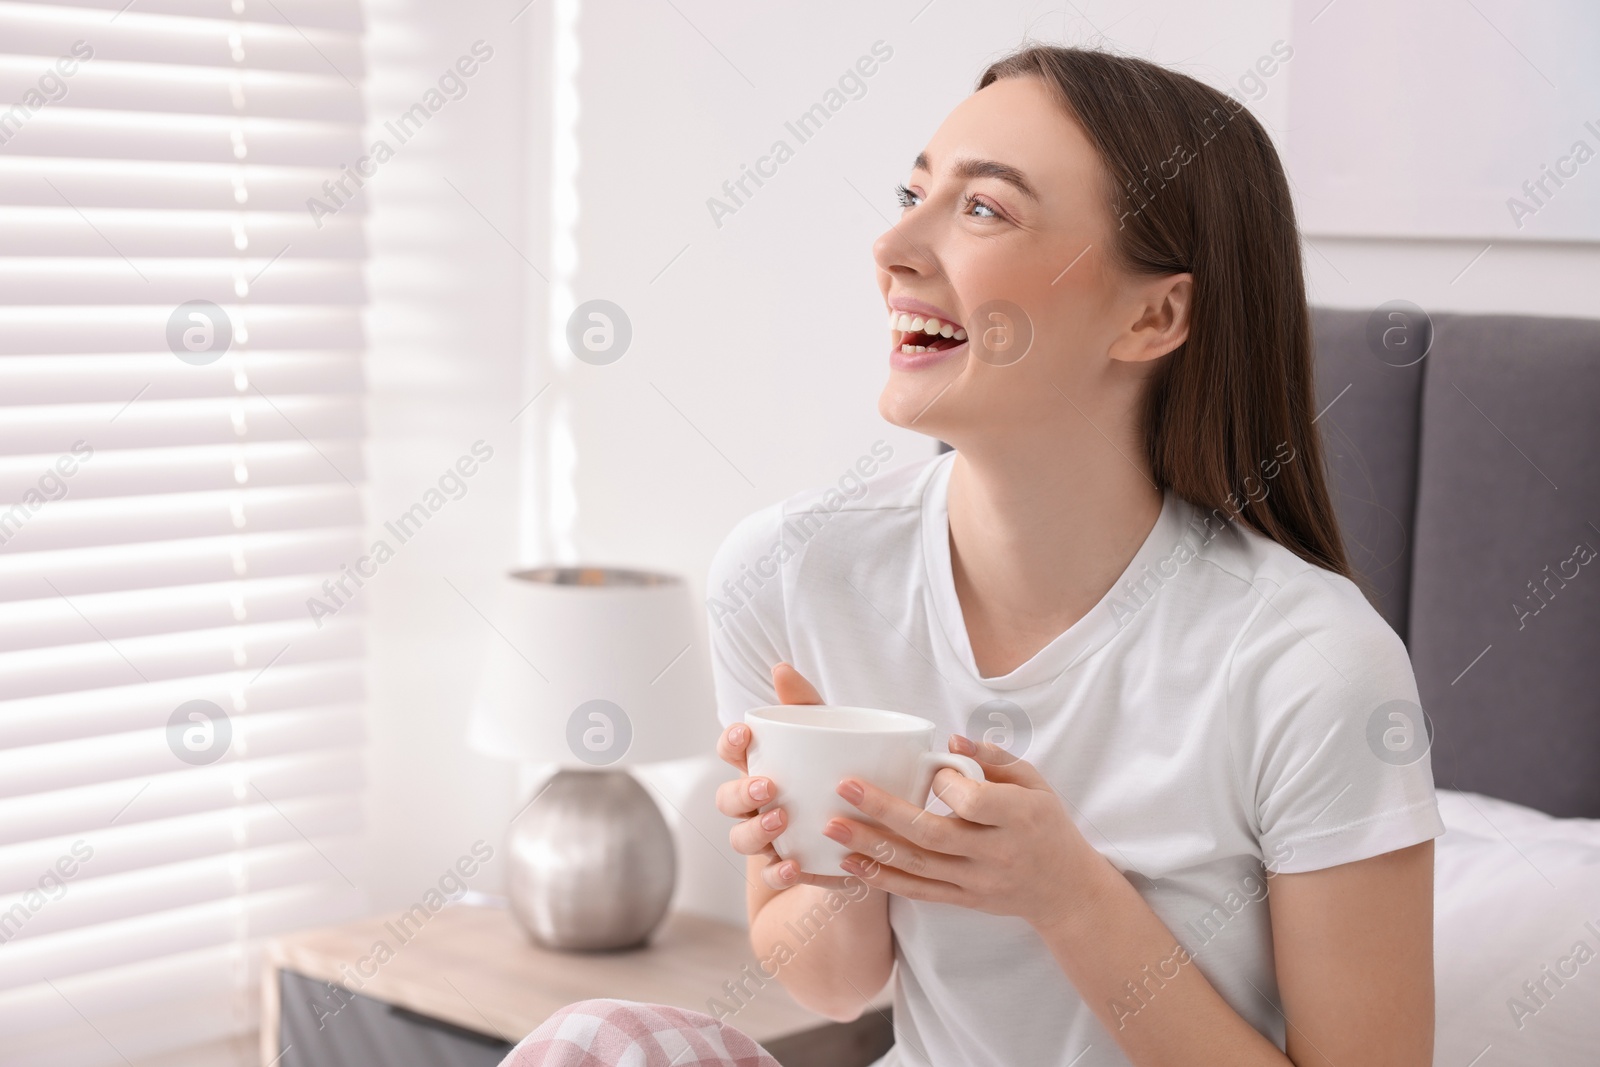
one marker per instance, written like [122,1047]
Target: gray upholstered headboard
[1468,485]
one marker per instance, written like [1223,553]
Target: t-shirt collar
[1078,642]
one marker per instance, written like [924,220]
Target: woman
[1131,559]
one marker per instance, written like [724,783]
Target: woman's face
[1006,233]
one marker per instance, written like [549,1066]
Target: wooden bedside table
[467,984]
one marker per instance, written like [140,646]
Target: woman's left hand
[1009,849]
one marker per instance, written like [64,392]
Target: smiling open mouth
[917,333]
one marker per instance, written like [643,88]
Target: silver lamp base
[592,865]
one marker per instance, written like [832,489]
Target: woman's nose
[900,248]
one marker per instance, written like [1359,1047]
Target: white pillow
[1516,900]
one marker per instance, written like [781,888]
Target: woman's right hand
[741,797]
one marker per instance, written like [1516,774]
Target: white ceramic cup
[806,749]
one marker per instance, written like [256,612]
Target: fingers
[936,833]
[792,686]
[976,802]
[752,836]
[893,851]
[998,764]
[786,874]
[733,743]
[880,875]
[782,874]
[741,798]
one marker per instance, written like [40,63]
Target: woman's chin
[917,401]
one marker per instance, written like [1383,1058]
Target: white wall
[445,329]
[1452,109]
[758,346]
[1512,277]
[1387,140]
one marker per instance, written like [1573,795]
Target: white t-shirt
[1227,708]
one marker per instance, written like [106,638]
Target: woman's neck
[1037,537]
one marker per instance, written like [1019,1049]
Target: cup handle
[932,761]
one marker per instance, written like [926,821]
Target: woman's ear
[1160,318]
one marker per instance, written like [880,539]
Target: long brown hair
[1196,186]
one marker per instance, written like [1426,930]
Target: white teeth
[912,348]
[907,323]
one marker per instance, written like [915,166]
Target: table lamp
[594,669]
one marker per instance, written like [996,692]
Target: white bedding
[1517,900]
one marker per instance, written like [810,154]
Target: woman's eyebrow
[982,168]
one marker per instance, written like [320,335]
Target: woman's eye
[974,204]
[977,208]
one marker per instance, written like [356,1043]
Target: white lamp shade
[594,667]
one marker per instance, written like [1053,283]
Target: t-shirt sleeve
[1330,738]
[745,615]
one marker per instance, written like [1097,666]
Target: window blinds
[180,743]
